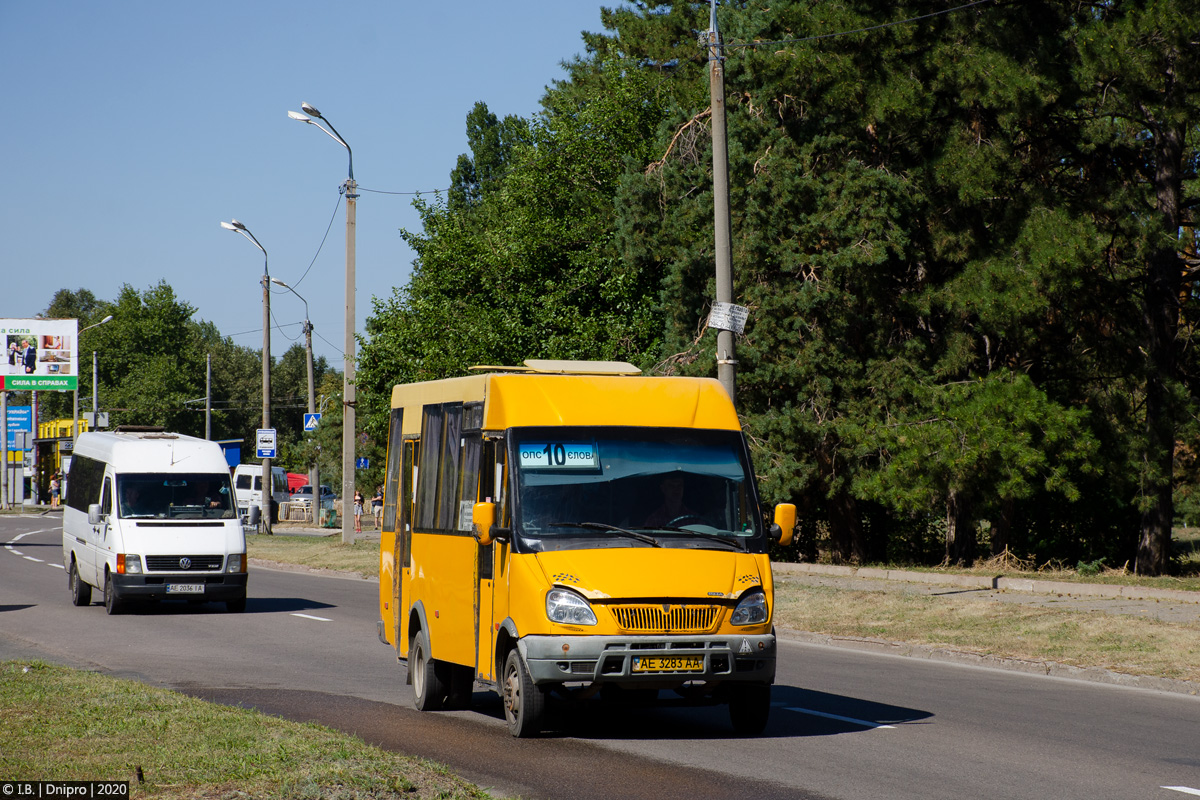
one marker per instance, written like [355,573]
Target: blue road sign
[361,463]
[265,442]
[310,422]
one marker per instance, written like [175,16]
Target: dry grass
[1119,643]
[318,552]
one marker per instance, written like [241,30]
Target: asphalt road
[846,724]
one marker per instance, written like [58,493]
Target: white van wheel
[81,592]
[112,604]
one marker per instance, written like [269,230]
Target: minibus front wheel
[749,707]
[524,703]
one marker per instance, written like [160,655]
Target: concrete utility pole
[726,357]
[348,389]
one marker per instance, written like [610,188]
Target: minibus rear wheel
[81,592]
[429,691]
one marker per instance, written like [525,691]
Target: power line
[856,30]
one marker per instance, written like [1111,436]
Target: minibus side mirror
[94,515]
[483,525]
[785,523]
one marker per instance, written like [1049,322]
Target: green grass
[64,724]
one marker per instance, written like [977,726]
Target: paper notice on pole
[728,317]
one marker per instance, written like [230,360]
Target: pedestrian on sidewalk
[358,509]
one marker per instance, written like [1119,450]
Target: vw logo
[185,563]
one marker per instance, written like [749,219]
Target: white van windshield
[661,487]
[176,496]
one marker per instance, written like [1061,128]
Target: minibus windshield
[175,496]
[656,487]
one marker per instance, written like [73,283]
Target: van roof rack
[554,367]
[139,429]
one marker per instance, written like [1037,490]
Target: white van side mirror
[94,515]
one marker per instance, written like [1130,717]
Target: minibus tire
[81,592]
[112,603]
[749,707]
[524,703]
[429,692]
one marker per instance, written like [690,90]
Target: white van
[150,515]
[247,483]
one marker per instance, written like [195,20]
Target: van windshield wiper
[600,526]
[724,538]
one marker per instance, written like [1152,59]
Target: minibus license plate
[185,588]
[668,664]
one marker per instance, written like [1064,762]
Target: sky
[132,129]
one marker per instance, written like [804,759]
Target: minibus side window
[431,445]
[392,479]
[468,477]
[106,503]
[447,517]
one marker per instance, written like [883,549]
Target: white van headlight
[567,608]
[751,610]
[233,563]
[132,563]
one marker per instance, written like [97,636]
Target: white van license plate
[185,588]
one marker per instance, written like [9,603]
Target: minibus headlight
[233,563]
[568,608]
[751,610]
[129,564]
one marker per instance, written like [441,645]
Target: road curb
[998,582]
[1051,669]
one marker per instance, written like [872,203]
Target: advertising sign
[20,420]
[39,354]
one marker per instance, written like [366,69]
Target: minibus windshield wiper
[725,538]
[600,526]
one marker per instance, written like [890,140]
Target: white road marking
[310,616]
[58,566]
[851,720]
[31,558]
[13,550]
[1184,789]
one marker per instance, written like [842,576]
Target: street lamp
[314,470]
[75,402]
[268,482]
[348,399]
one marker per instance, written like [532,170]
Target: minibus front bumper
[215,586]
[649,660]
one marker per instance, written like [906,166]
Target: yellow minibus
[575,528]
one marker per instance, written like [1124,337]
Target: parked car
[304,494]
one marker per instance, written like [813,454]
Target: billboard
[39,354]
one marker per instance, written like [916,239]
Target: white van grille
[176,563]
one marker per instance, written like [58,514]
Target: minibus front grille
[666,618]
[209,563]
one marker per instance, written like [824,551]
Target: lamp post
[348,399]
[75,401]
[268,483]
[314,474]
